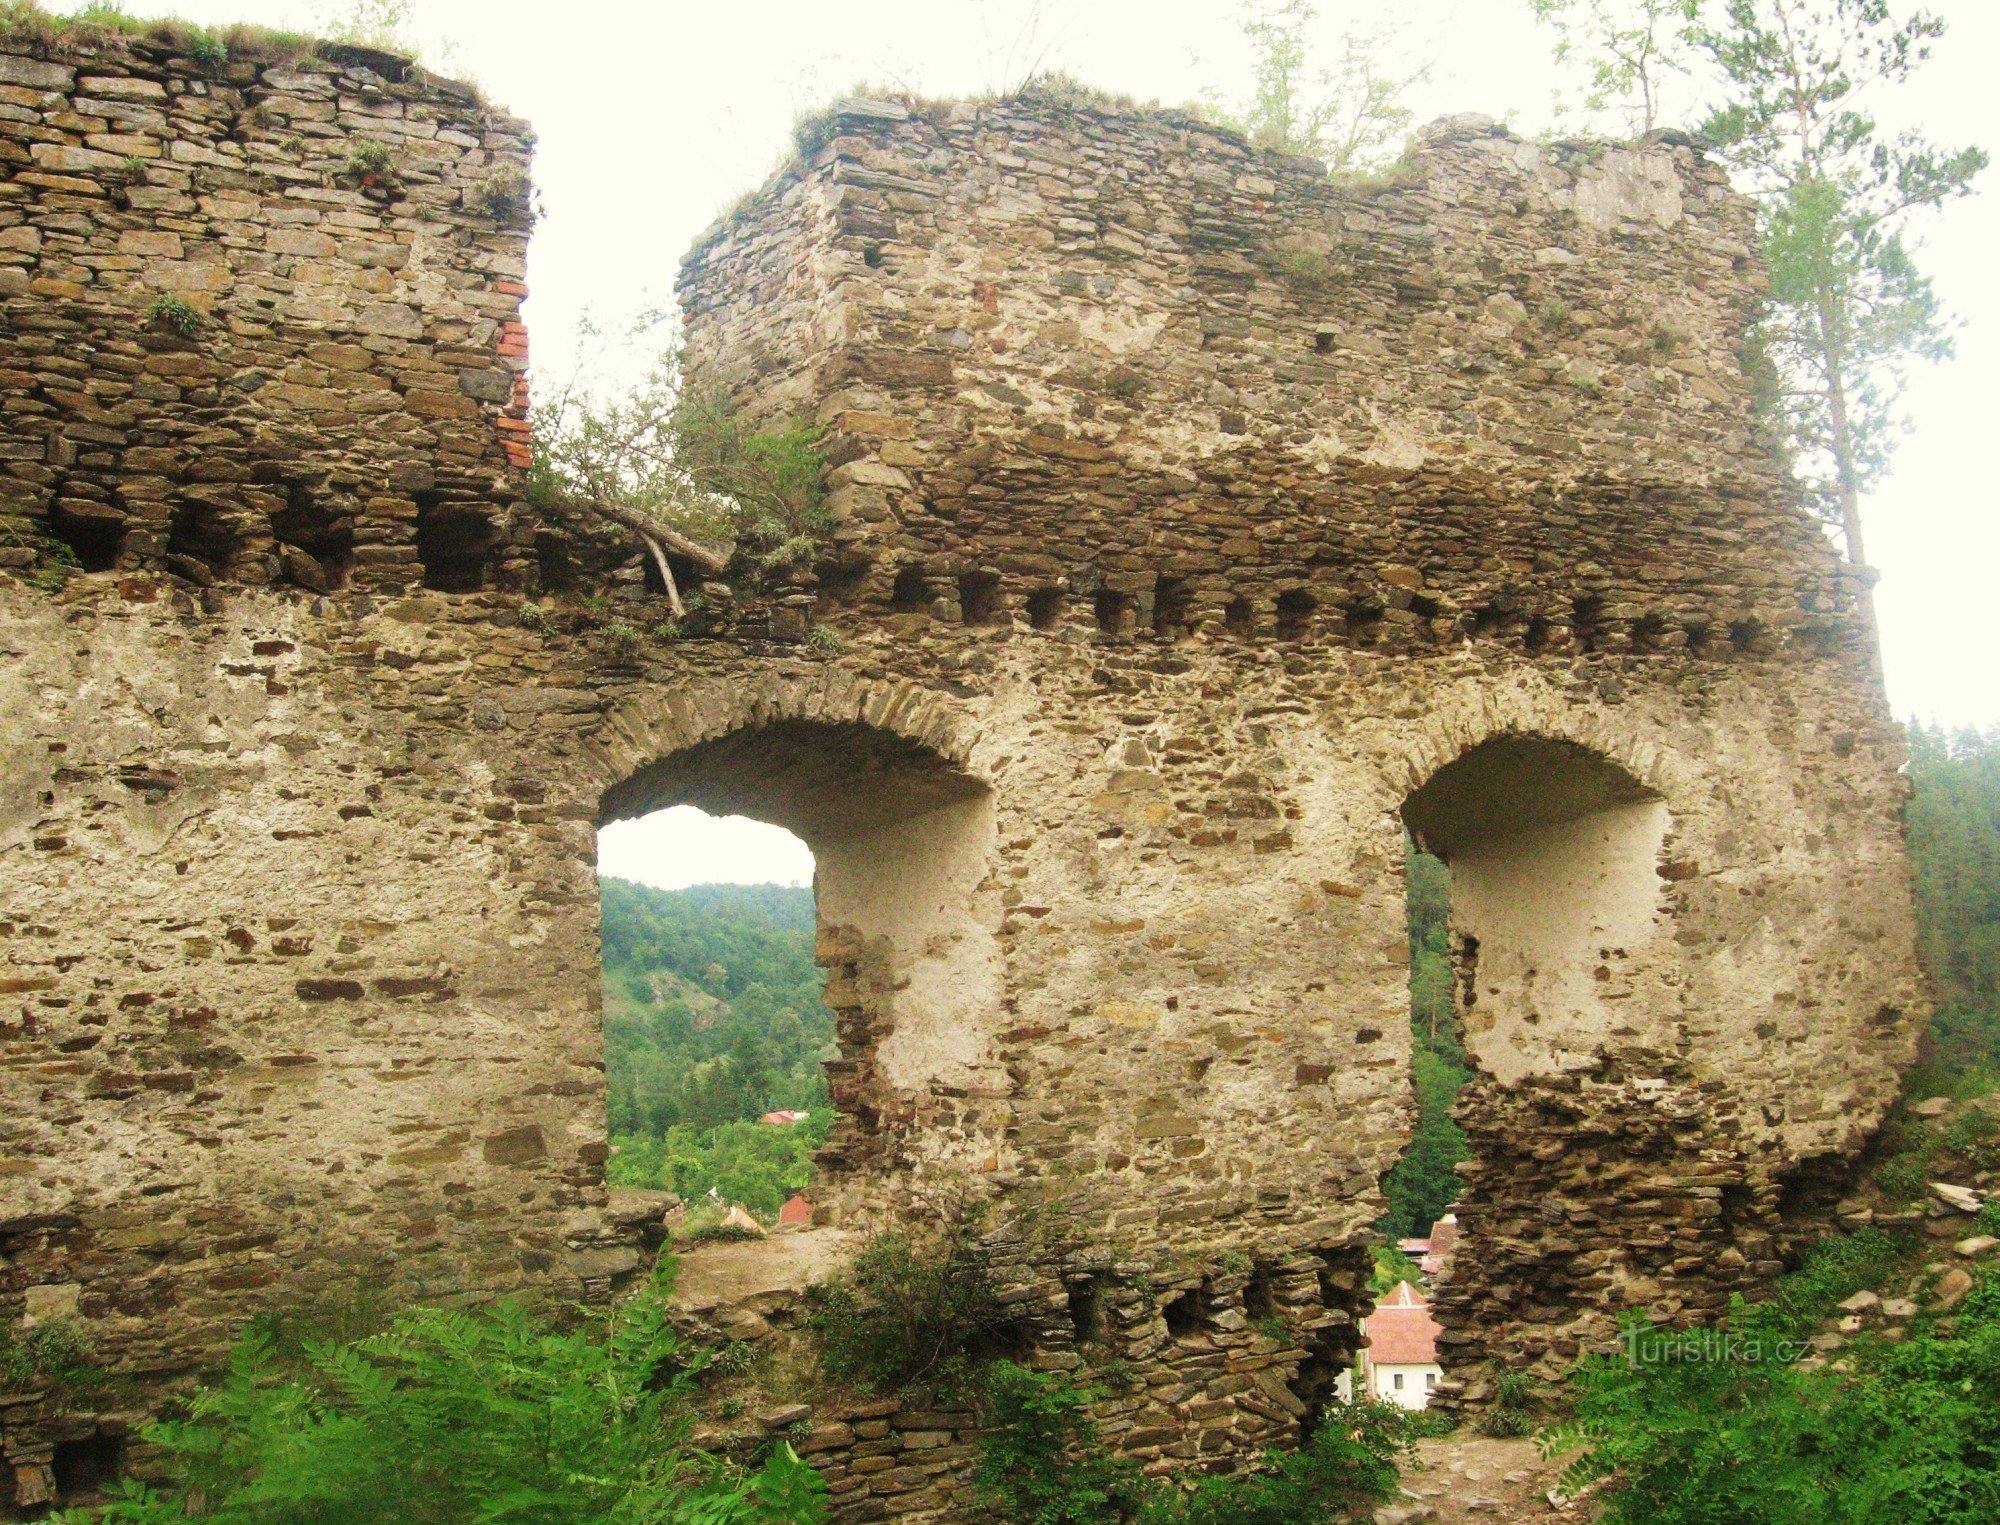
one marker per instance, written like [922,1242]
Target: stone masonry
[1200,526]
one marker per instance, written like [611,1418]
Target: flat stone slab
[732,1271]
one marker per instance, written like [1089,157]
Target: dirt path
[1473,1480]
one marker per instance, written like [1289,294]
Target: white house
[1399,1363]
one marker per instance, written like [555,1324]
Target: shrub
[502,192]
[452,1418]
[1512,1411]
[1040,1459]
[916,1303]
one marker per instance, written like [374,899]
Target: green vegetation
[369,160]
[1795,86]
[679,466]
[452,1418]
[1348,110]
[24,22]
[54,1355]
[1041,1461]
[170,312]
[756,1164]
[1954,831]
[917,1304]
[1896,1431]
[1423,1184]
[712,1017]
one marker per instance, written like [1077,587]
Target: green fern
[455,1418]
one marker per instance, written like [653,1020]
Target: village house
[1399,1363]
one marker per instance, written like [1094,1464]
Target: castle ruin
[1202,525]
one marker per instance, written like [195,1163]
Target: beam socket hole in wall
[1486,620]
[1045,606]
[871,256]
[1364,623]
[315,541]
[979,598]
[687,576]
[1173,608]
[200,542]
[1115,612]
[1087,1316]
[1323,341]
[94,535]
[1184,1312]
[1239,618]
[1295,611]
[1586,621]
[92,1463]
[1745,635]
[454,543]
[1647,632]
[909,594]
[1536,637]
[1259,1296]
[838,586]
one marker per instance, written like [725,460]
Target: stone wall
[1198,521]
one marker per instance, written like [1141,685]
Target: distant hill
[712,1016]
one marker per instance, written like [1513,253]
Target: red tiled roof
[1401,1331]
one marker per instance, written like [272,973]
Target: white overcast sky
[652,117]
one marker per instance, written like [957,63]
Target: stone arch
[1554,853]
[876,781]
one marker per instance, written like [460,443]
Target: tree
[1848,309]
[1626,49]
[675,465]
[1348,114]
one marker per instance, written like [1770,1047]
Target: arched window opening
[718,1031]
[1552,851]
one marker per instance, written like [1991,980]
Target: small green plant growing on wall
[52,1356]
[501,192]
[825,640]
[209,52]
[175,315]
[369,161]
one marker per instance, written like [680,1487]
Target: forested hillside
[1954,825]
[713,1016]
[1423,1183]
